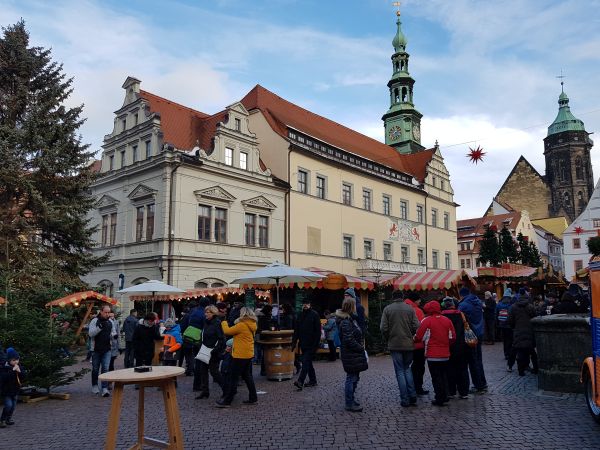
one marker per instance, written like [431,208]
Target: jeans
[350,387]
[307,367]
[402,362]
[439,378]
[243,368]
[100,361]
[475,360]
[10,403]
[418,368]
[129,355]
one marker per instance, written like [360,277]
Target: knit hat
[169,323]
[523,291]
[414,296]
[487,294]
[229,342]
[350,292]
[464,291]
[448,303]
[11,353]
[432,307]
[397,295]
[507,292]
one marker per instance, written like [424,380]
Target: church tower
[568,166]
[402,121]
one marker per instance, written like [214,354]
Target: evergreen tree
[593,245]
[535,259]
[44,200]
[508,246]
[489,247]
[524,249]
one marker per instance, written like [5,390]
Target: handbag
[470,336]
[204,354]
[192,335]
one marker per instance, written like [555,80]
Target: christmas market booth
[434,284]
[497,279]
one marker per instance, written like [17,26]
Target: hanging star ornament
[578,230]
[475,154]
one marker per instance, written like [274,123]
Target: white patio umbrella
[153,287]
[276,272]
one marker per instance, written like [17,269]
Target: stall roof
[351,281]
[191,293]
[507,270]
[82,297]
[424,281]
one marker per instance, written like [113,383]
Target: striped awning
[82,297]
[328,277]
[191,293]
[424,281]
[507,271]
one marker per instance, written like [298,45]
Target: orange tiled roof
[178,122]
[479,224]
[96,165]
[281,113]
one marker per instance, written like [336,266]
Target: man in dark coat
[131,322]
[308,334]
[519,319]
[100,331]
[472,307]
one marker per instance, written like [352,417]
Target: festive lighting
[579,230]
[476,155]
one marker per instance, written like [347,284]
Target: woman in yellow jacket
[243,352]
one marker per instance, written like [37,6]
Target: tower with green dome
[402,121]
[568,166]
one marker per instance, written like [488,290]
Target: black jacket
[212,335]
[307,331]
[352,352]
[143,342]
[519,319]
[129,327]
[10,380]
[458,347]
[287,321]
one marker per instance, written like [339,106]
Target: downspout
[170,229]
[288,198]
[426,231]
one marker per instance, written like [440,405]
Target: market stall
[448,281]
[497,279]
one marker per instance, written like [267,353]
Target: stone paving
[512,415]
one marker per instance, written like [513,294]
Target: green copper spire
[565,120]
[399,41]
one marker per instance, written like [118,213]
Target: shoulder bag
[470,337]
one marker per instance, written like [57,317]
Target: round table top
[129,375]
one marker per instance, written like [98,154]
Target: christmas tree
[508,246]
[489,247]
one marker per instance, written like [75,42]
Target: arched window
[139,280]
[106,287]
[396,96]
[218,284]
[566,199]
[578,168]
[404,94]
[200,285]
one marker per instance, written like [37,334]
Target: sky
[486,71]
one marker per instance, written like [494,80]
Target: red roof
[477,226]
[96,165]
[178,122]
[281,114]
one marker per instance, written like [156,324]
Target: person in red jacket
[438,333]
[418,365]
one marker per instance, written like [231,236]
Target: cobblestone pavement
[512,415]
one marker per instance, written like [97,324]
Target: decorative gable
[142,192]
[106,201]
[214,193]
[259,202]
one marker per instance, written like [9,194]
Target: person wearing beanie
[472,308]
[489,318]
[502,311]
[441,334]
[12,375]
[172,341]
[418,365]
[398,325]
[458,367]
[360,310]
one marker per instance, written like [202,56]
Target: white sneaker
[95,390]
[105,393]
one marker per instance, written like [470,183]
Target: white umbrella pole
[278,311]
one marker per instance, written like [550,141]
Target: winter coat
[502,309]
[287,321]
[243,337]
[399,324]
[143,340]
[100,332]
[10,380]
[438,333]
[567,305]
[234,314]
[265,322]
[472,308]
[307,331]
[330,328]
[459,347]
[195,318]
[352,352]
[176,340]
[129,326]
[212,335]
[361,319]
[489,310]
[114,338]
[420,316]
[519,319]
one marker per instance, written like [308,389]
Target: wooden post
[141,418]
[84,320]
[113,418]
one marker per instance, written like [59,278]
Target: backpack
[192,335]
[503,316]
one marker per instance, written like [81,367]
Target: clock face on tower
[416,131]
[395,133]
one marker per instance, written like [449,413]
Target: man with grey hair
[100,331]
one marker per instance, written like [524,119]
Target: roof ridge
[143,92]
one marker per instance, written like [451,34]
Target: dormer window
[238,125]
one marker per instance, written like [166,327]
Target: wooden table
[162,377]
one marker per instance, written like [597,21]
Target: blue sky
[485,70]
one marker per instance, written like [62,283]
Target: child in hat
[11,377]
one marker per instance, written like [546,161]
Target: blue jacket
[194,318]
[502,312]
[472,308]
[176,333]
[129,327]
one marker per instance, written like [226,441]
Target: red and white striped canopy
[82,297]
[425,281]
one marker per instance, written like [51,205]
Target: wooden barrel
[278,355]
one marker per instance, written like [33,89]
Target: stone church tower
[568,167]
[402,121]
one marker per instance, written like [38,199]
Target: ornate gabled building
[567,186]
